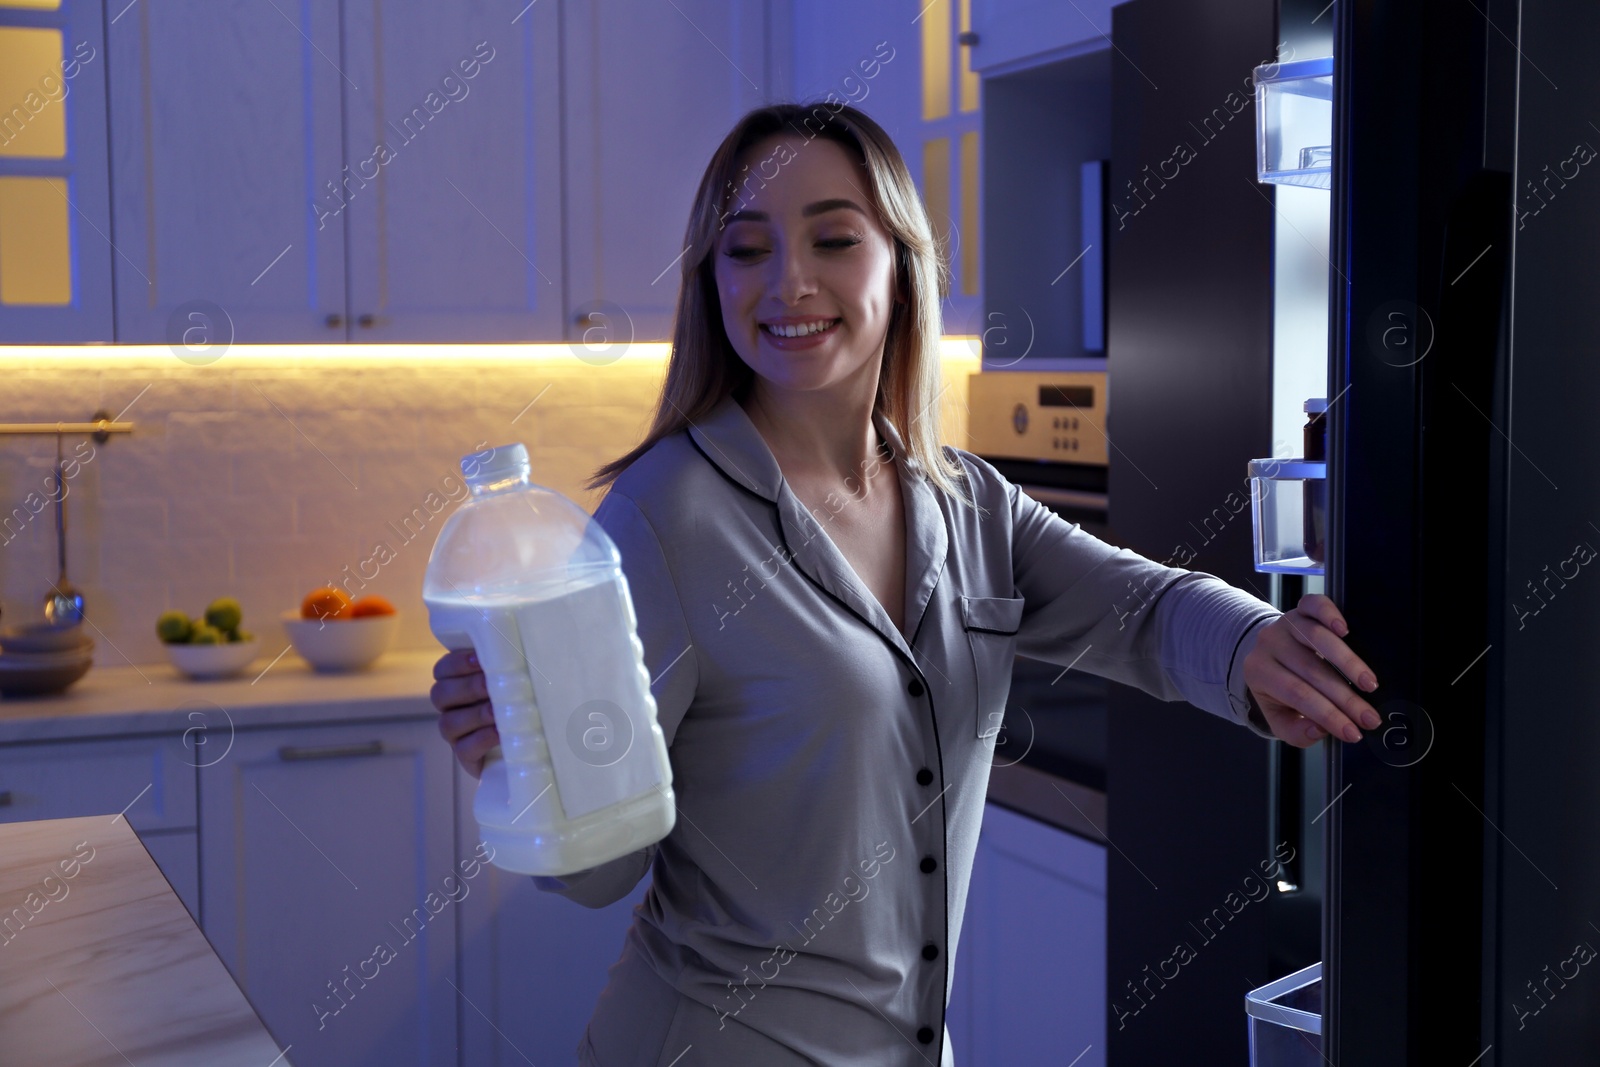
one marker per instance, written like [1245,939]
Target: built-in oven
[1046,432]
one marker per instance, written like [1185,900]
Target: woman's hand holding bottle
[466,719]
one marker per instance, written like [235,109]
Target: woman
[829,603]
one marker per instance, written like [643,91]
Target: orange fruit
[327,602]
[371,605]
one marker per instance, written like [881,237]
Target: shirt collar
[731,441]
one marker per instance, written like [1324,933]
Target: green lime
[225,613]
[206,635]
[173,627]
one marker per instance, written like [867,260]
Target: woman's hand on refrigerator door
[466,719]
[1291,671]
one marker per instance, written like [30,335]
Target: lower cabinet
[149,781]
[178,856]
[336,871]
[532,962]
[1030,980]
[329,888]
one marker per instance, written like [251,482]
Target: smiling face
[805,270]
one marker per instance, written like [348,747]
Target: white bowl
[44,637]
[340,644]
[212,661]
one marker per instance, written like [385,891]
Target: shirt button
[929,864]
[924,776]
[914,688]
[925,1035]
[930,951]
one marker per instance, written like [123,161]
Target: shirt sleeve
[1173,633]
[674,675]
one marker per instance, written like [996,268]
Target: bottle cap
[1314,405]
[496,464]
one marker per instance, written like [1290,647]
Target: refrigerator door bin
[1288,511]
[1294,123]
[1285,1019]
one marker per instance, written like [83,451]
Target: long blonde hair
[704,368]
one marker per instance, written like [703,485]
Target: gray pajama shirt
[830,771]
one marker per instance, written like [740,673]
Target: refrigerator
[1446,872]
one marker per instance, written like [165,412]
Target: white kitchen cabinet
[323,172]
[457,124]
[532,963]
[225,123]
[329,889]
[55,217]
[149,781]
[1030,981]
[178,856]
[1013,34]
[650,90]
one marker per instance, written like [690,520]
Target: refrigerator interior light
[1294,123]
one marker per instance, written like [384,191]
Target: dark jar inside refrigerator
[1316,499]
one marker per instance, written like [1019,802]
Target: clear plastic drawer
[1289,514]
[1294,123]
[1285,1019]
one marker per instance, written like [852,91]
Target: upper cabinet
[297,173]
[451,187]
[55,222]
[1011,34]
[225,120]
[466,170]
[650,91]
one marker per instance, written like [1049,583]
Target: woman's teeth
[801,330]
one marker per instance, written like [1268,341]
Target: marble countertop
[155,698]
[100,962]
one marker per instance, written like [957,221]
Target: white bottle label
[592,695]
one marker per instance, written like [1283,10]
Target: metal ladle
[63,605]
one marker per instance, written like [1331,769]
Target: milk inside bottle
[528,580]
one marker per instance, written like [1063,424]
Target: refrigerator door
[1462,875]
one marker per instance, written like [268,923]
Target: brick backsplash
[261,477]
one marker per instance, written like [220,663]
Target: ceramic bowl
[43,637]
[213,661]
[37,673]
[340,644]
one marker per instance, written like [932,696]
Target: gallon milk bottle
[526,578]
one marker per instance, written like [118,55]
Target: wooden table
[100,963]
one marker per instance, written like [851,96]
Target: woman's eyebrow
[809,210]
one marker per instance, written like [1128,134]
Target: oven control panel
[1048,415]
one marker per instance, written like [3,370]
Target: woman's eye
[834,243]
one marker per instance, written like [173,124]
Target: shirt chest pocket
[991,623]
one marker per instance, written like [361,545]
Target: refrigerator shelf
[1288,513]
[1285,1019]
[1294,123]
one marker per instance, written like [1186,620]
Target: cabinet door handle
[967,39]
[299,752]
[367,321]
[5,798]
[334,320]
